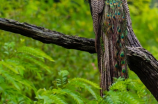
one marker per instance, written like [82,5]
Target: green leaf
[86,81]
[7,65]
[73,95]
[34,52]
[39,63]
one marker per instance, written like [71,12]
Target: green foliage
[145,23]
[15,85]
[14,79]
[34,52]
[126,92]
[30,75]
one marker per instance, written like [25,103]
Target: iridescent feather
[116,30]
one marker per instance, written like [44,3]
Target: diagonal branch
[145,66]
[139,60]
[132,40]
[47,36]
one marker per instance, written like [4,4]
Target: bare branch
[48,36]
[145,66]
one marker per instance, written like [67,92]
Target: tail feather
[116,31]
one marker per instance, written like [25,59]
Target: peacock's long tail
[109,22]
[114,27]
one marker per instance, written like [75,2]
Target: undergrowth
[22,81]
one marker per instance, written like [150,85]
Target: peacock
[109,22]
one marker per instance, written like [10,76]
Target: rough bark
[132,40]
[145,66]
[139,60]
[47,36]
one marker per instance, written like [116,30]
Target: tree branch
[145,66]
[47,36]
[132,40]
[139,60]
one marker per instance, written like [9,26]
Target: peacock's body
[109,22]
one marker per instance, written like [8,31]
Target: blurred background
[71,17]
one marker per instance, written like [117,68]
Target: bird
[109,24]
[96,7]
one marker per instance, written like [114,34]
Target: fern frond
[30,66]
[34,52]
[14,65]
[50,97]
[63,73]
[131,99]
[90,90]
[7,65]
[25,83]
[62,79]
[39,63]
[74,96]
[94,102]
[136,86]
[70,93]
[113,98]
[16,80]
[15,96]
[46,99]
[58,91]
[57,100]
[118,86]
[10,79]
[85,81]
[86,87]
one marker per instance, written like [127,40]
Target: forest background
[34,72]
